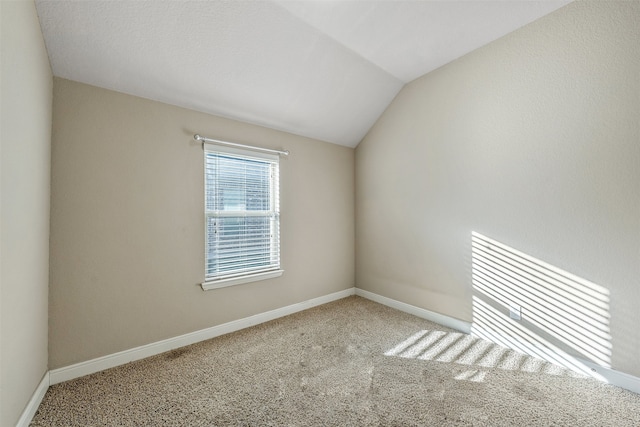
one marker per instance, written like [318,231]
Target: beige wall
[127,223]
[532,140]
[26,90]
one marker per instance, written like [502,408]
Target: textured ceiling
[321,69]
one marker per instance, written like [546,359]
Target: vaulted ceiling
[321,69]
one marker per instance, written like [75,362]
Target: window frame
[273,269]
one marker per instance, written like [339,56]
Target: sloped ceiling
[321,69]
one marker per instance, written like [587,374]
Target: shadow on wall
[533,307]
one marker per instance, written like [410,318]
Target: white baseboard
[608,375]
[441,319]
[105,362]
[34,402]
[613,377]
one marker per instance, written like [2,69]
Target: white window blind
[242,213]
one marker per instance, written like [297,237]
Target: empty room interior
[320,213]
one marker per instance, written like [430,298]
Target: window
[242,214]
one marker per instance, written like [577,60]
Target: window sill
[216,284]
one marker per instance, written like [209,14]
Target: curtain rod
[235,144]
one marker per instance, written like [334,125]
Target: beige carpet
[348,363]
